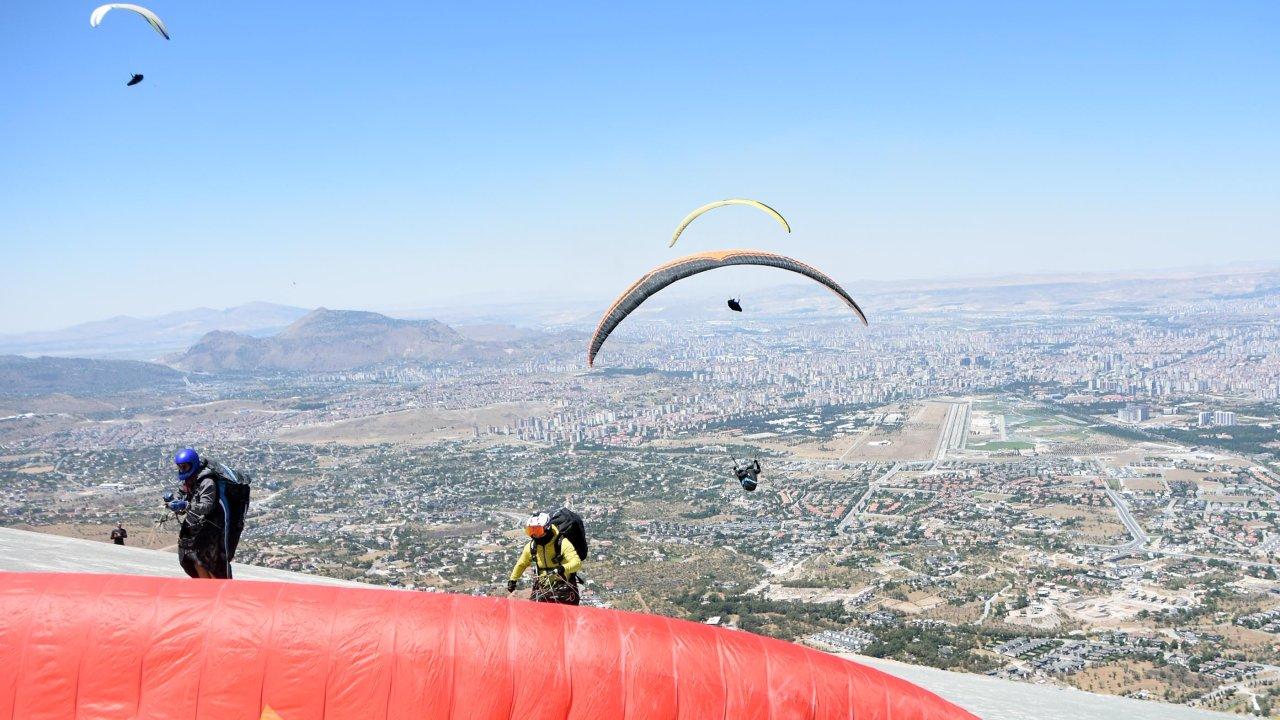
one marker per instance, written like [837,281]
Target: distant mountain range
[152,337]
[26,377]
[260,337]
[320,341]
[778,296]
[328,340]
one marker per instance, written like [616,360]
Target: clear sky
[402,153]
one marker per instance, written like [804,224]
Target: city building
[1134,413]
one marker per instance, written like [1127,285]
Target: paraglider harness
[233,498]
[748,474]
[233,494]
[552,584]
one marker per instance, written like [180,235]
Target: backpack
[571,527]
[233,492]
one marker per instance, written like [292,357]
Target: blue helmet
[188,462]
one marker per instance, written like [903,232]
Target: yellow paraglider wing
[666,274]
[101,11]
[721,203]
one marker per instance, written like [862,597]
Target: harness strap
[226,523]
[557,559]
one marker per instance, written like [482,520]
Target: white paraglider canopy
[101,11]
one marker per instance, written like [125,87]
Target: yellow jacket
[546,556]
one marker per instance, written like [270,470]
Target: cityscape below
[1069,482]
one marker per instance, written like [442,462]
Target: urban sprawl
[1077,496]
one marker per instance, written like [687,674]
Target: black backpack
[571,528]
[233,489]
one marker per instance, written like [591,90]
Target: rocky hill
[328,340]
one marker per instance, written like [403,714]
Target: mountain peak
[328,340]
[323,322]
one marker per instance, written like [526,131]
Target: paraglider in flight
[137,78]
[676,270]
[735,305]
[748,474]
[721,203]
[101,11]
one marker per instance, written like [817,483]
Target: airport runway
[1130,523]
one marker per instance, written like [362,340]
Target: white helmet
[538,525]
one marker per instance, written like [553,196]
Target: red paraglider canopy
[111,646]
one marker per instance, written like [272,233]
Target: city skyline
[703,287]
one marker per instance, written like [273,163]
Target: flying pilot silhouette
[748,474]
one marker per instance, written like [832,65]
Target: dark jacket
[202,523]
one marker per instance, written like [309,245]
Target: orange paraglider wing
[114,646]
[668,273]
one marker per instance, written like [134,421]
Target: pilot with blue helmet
[201,550]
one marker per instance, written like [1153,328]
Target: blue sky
[398,154]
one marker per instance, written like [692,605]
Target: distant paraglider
[735,304]
[748,474]
[664,275]
[721,203]
[95,19]
[154,20]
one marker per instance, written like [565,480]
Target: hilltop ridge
[326,340]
